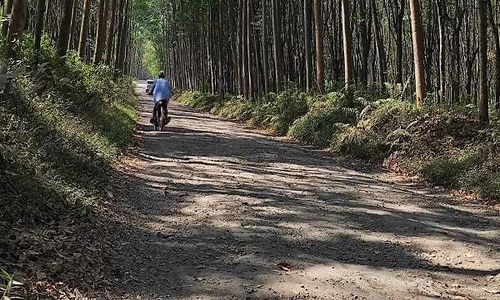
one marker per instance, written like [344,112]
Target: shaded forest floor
[210,210]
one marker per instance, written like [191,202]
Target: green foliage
[6,280]
[475,170]
[388,115]
[486,184]
[446,171]
[361,144]
[59,130]
[324,119]
[234,108]
[150,58]
[199,100]
[279,111]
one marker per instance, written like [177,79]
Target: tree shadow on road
[215,211]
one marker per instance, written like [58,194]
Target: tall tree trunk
[120,57]
[120,31]
[418,51]
[307,43]
[40,17]
[84,28]
[455,52]
[277,44]
[399,55]
[483,62]
[249,47]
[6,15]
[348,58]
[379,45]
[111,33]
[365,37]
[399,13]
[496,37]
[47,16]
[265,47]
[74,33]
[245,50]
[210,51]
[320,51]
[222,88]
[101,31]
[65,31]
[442,15]
[17,25]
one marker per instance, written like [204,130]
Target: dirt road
[216,211]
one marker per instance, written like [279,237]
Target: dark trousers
[158,108]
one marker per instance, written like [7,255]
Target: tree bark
[6,14]
[442,15]
[307,43]
[222,88]
[380,46]
[17,25]
[84,28]
[399,43]
[249,47]
[418,51]
[496,37]
[265,47]
[121,19]
[483,62]
[40,18]
[346,29]
[244,47]
[365,39]
[65,31]
[111,33]
[47,16]
[320,51]
[74,33]
[277,44]
[101,31]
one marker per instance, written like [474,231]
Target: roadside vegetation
[61,126]
[444,146]
[67,112]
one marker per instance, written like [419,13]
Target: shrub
[361,144]
[484,178]
[488,186]
[320,124]
[280,111]
[199,100]
[447,171]
[388,115]
[234,108]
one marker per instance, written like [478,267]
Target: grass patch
[325,117]
[447,171]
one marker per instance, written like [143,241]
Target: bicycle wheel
[163,118]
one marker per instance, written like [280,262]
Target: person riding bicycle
[162,92]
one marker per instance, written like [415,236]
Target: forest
[436,50]
[351,145]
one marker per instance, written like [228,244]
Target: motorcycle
[149,85]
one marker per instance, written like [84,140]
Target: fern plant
[9,288]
